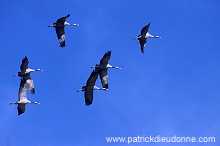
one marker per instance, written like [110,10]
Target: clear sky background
[172,89]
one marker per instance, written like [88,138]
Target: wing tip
[109,52]
[32,91]
[105,86]
[21,109]
[25,58]
[20,113]
[88,103]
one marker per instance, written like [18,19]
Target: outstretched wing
[60,30]
[88,96]
[90,86]
[24,64]
[92,78]
[104,78]
[105,58]
[22,91]
[145,30]
[63,41]
[143,42]
[29,83]
[61,36]
[21,108]
[62,19]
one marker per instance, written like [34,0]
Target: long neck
[35,102]
[29,70]
[97,88]
[66,23]
[38,70]
[100,89]
[74,24]
[156,37]
[116,67]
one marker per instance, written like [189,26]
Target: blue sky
[172,89]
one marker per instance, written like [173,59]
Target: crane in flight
[59,26]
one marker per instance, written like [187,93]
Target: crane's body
[25,74]
[144,36]
[103,67]
[22,98]
[59,26]
[90,87]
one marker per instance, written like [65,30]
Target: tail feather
[62,41]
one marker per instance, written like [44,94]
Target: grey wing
[21,108]
[24,64]
[60,32]
[143,42]
[29,83]
[92,79]
[104,78]
[63,41]
[105,58]
[60,26]
[90,86]
[145,30]
[62,19]
[22,91]
[61,35]
[88,96]
[60,29]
